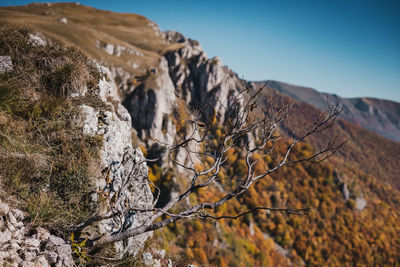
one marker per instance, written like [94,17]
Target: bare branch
[251,127]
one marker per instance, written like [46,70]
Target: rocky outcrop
[184,73]
[150,105]
[117,50]
[117,160]
[201,82]
[23,246]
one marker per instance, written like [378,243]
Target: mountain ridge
[377,115]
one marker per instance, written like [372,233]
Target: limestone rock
[119,157]
[5,64]
[37,40]
[148,260]
[5,236]
[63,20]
[147,257]
[32,242]
[361,203]
[345,191]
[4,208]
[41,262]
[19,248]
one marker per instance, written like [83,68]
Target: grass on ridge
[44,158]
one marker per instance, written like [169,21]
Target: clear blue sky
[351,48]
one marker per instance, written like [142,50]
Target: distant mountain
[377,115]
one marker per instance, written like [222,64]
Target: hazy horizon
[349,48]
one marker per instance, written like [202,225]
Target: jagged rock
[18,214]
[90,125]
[32,242]
[150,107]
[19,248]
[117,154]
[117,50]
[174,37]
[11,218]
[155,28]
[29,256]
[4,208]
[41,262]
[42,234]
[345,191]
[5,64]
[37,40]
[5,236]
[51,257]
[147,256]
[111,121]
[54,242]
[361,203]
[63,251]
[203,82]
[109,48]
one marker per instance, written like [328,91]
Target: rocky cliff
[118,159]
[88,108]
[184,73]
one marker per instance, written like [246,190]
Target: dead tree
[251,126]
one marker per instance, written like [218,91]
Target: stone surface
[345,191]
[5,64]
[118,156]
[4,208]
[37,39]
[63,20]
[361,203]
[19,248]
[32,242]
[118,50]
[147,257]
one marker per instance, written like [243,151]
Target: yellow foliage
[144,150]
[189,253]
[200,255]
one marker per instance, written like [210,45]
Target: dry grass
[86,25]
[45,161]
